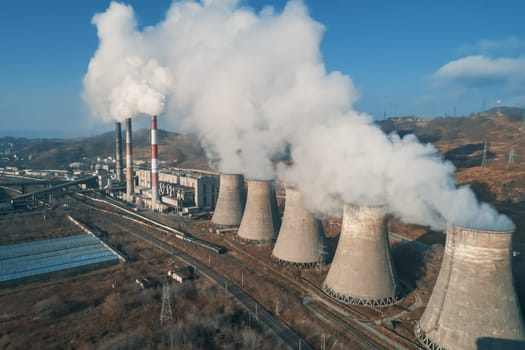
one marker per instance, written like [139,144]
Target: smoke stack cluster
[230,204]
[118,152]
[129,162]
[260,220]
[474,299]
[362,272]
[154,163]
[299,242]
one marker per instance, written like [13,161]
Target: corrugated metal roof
[40,257]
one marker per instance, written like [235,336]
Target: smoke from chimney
[230,75]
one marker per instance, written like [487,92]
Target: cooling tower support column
[260,219]
[230,204]
[299,242]
[154,163]
[118,152]
[474,303]
[129,162]
[362,272]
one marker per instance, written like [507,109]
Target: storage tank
[230,204]
[260,219]
[362,272]
[300,239]
[474,303]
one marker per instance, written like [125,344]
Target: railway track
[283,332]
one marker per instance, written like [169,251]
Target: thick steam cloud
[251,85]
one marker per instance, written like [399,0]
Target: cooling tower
[474,296]
[362,272]
[129,162]
[230,204]
[154,163]
[260,219]
[118,152]
[299,242]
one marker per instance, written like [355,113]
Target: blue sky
[406,57]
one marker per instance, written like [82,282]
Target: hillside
[179,149]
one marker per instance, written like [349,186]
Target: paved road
[288,336]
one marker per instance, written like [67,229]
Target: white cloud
[480,70]
[505,46]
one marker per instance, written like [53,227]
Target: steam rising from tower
[129,162]
[474,295]
[362,272]
[299,242]
[230,75]
[230,204]
[118,152]
[154,163]
[260,220]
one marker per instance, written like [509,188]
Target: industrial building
[260,220]
[300,239]
[474,299]
[43,257]
[362,271]
[184,190]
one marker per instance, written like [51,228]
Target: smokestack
[474,295]
[118,152]
[230,204]
[260,219]
[154,163]
[129,162]
[362,272]
[299,242]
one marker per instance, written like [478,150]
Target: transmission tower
[166,315]
[484,159]
[511,157]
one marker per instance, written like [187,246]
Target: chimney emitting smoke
[118,152]
[154,163]
[129,162]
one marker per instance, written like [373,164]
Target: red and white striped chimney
[129,162]
[154,162]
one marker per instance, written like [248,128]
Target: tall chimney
[118,152]
[260,219]
[230,204]
[129,162]
[299,242]
[362,272]
[154,163]
[474,303]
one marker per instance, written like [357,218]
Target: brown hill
[182,150]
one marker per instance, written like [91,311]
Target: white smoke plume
[251,84]
[123,80]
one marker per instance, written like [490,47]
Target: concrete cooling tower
[260,220]
[300,239]
[230,204]
[473,304]
[362,272]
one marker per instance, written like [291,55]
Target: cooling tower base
[424,340]
[256,241]
[360,301]
[299,265]
[219,226]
